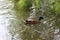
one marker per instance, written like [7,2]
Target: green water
[12,25]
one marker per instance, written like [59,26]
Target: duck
[30,22]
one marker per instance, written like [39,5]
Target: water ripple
[5,9]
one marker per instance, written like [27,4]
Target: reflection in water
[10,27]
[6,14]
[3,28]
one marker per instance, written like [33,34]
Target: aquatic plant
[24,4]
[57,6]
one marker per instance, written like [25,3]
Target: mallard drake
[33,22]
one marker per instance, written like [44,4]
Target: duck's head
[40,18]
